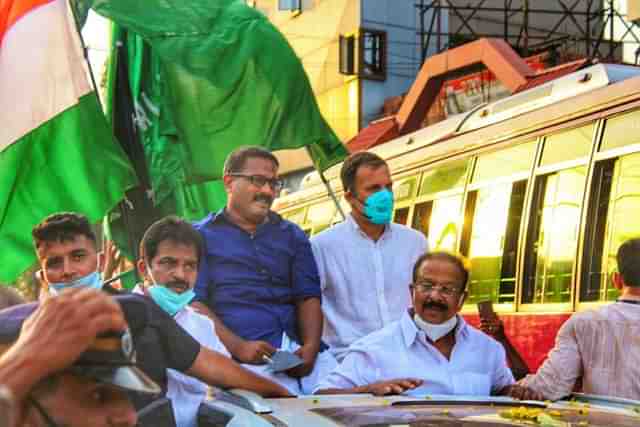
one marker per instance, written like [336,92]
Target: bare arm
[494,327]
[381,388]
[309,316]
[215,369]
[243,350]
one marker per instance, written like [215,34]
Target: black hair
[458,260]
[170,228]
[628,258]
[62,227]
[351,165]
[237,159]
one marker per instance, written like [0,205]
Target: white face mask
[435,331]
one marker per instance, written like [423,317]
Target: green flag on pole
[57,152]
[232,79]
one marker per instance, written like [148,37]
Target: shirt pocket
[468,383]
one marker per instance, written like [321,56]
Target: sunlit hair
[237,160]
[62,227]
[628,258]
[173,229]
[354,162]
[458,260]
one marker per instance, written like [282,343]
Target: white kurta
[365,284]
[477,365]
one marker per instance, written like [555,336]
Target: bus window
[553,236]
[421,218]
[505,162]
[622,130]
[568,145]
[400,216]
[444,224]
[493,240]
[615,202]
[448,177]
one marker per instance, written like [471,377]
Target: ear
[227,181]
[617,280]
[101,261]
[142,269]
[462,299]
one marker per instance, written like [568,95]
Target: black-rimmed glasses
[259,181]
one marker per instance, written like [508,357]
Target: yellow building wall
[314,35]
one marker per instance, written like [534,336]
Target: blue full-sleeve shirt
[252,281]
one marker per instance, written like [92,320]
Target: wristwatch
[6,407]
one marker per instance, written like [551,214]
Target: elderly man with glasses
[431,349]
[258,280]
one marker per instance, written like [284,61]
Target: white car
[240,408]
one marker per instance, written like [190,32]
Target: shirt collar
[355,227]
[222,216]
[410,330]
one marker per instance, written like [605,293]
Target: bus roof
[563,90]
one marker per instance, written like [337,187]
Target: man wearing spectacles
[258,280]
[431,349]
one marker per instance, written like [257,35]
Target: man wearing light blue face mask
[170,251]
[65,245]
[365,261]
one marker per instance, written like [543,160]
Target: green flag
[232,79]
[57,152]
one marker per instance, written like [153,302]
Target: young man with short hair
[365,261]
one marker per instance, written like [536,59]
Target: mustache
[178,284]
[435,305]
[263,198]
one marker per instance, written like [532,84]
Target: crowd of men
[365,307]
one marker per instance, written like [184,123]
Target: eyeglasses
[428,286]
[259,181]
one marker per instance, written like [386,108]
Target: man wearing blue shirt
[258,280]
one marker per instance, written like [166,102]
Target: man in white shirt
[364,262]
[430,347]
[170,251]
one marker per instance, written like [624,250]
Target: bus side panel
[533,335]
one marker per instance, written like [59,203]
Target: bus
[537,190]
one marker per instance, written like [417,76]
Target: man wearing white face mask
[365,261]
[430,347]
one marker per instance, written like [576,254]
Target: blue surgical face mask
[170,301]
[92,280]
[378,207]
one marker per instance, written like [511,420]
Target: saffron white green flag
[57,152]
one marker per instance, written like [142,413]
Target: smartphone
[485,308]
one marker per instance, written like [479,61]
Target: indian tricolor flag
[57,152]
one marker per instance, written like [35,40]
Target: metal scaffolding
[586,28]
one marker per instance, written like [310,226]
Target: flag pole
[329,189]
